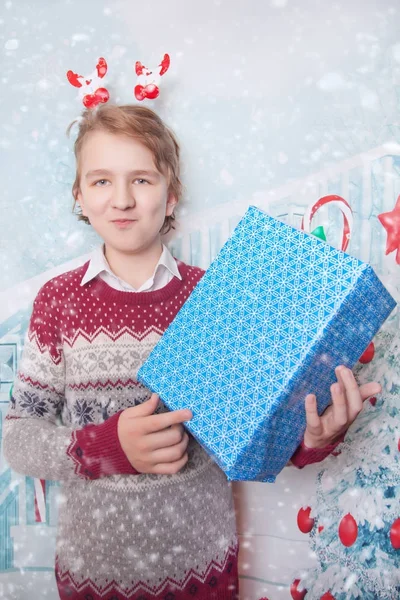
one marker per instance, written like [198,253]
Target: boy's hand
[154,443]
[347,402]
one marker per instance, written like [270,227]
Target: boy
[145,513]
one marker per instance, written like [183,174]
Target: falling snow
[269,108]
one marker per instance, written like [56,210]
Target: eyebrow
[136,173]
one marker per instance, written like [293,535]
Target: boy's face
[122,193]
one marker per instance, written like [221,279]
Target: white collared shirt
[165,270]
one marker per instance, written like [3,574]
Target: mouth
[123,222]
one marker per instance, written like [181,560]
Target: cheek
[154,205]
[95,204]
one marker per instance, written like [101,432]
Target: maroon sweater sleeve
[307,456]
[96,451]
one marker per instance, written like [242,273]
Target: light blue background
[260,93]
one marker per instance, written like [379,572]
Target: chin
[128,247]
[125,247]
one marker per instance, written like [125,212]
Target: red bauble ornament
[304,522]
[89,101]
[295,593]
[348,530]
[100,96]
[139,92]
[373,400]
[395,534]
[368,354]
[150,91]
[327,596]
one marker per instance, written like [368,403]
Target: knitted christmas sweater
[121,535]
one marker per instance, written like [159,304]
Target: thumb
[370,389]
[313,420]
[146,408]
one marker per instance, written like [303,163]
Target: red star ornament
[391,222]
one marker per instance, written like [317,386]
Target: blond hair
[145,126]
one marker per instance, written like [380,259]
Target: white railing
[202,234]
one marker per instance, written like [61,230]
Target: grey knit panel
[33,442]
[100,376]
[106,359]
[143,527]
[127,528]
[146,533]
[38,448]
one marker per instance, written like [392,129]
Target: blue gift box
[275,313]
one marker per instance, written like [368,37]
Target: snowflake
[117,360]
[83,412]
[34,405]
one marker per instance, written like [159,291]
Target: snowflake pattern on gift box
[276,312]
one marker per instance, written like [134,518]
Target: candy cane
[345,209]
[347,213]
[40,500]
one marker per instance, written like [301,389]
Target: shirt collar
[168,261]
[98,264]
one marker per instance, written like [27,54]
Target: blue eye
[141,181]
[101,182]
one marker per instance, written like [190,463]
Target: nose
[123,196]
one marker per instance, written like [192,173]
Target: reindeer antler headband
[148,80]
[92,91]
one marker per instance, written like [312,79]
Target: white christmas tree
[354,521]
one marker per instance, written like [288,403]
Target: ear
[79,200]
[171,203]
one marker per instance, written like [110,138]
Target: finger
[339,405]
[163,420]
[164,438]
[354,399]
[170,454]
[370,389]
[338,372]
[171,468]
[314,424]
[145,408]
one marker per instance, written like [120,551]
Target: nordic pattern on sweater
[121,534]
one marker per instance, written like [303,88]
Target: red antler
[139,68]
[73,78]
[164,64]
[101,67]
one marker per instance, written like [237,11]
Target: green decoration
[319,233]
